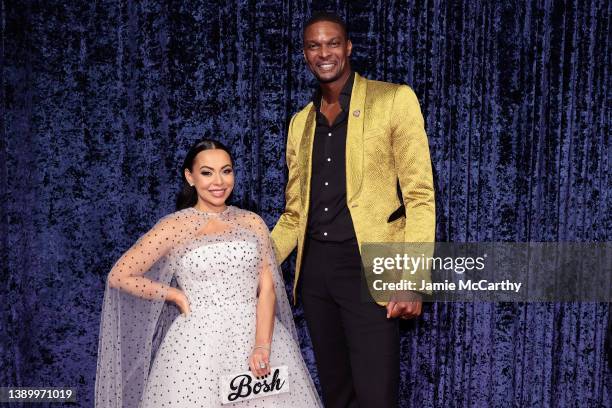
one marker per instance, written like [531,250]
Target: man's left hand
[405,309]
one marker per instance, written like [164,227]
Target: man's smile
[326,66]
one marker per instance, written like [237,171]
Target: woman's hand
[260,356]
[179,298]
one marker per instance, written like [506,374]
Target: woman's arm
[128,272]
[265,324]
[266,301]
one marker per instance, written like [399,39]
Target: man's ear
[349,47]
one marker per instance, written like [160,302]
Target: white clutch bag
[244,386]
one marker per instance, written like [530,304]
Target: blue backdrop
[100,101]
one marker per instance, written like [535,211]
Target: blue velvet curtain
[101,99]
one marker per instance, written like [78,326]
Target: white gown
[219,273]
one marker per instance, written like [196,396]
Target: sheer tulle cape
[135,315]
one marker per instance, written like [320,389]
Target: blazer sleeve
[285,232]
[413,167]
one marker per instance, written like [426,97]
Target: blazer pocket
[397,214]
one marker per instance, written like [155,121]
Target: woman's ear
[189,177]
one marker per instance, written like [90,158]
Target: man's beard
[328,80]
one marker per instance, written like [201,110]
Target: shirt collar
[345,94]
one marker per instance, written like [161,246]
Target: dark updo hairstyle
[188,197]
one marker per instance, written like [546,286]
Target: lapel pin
[356,113]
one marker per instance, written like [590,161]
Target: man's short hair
[327,16]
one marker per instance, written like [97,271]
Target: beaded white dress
[216,259]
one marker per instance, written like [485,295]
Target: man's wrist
[407,296]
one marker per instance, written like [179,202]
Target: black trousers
[356,347]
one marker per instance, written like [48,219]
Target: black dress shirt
[329,218]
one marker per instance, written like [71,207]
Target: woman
[234,311]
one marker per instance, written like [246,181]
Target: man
[346,152]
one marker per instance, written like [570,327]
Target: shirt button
[326,183]
[325,233]
[326,208]
[329,134]
[329,159]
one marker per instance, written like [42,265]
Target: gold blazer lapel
[305,156]
[354,138]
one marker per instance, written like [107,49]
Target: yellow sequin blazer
[385,142]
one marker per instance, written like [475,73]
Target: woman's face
[212,175]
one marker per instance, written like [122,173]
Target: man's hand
[405,309]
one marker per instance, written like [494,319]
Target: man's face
[327,51]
